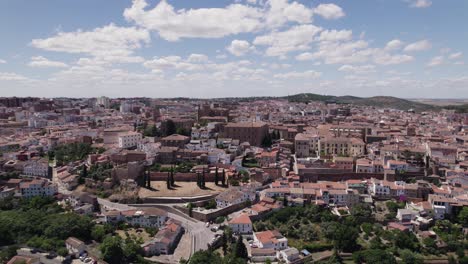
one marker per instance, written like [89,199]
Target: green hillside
[376,101]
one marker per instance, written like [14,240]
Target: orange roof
[241,219]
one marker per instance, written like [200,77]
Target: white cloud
[384,58]
[329,11]
[394,44]
[174,24]
[436,61]
[294,39]
[2,61]
[298,75]
[171,62]
[39,61]
[11,76]
[419,3]
[335,35]
[197,58]
[109,43]
[418,46]
[280,12]
[352,52]
[305,56]
[239,47]
[357,69]
[337,52]
[456,55]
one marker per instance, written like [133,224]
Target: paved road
[200,235]
[108,205]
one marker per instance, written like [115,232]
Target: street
[199,236]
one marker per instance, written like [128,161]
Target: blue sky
[213,48]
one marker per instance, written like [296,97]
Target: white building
[129,139]
[36,167]
[232,197]
[241,224]
[75,246]
[270,239]
[39,187]
[148,217]
[103,101]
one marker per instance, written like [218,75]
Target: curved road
[200,235]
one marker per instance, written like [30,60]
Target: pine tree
[216,177]
[241,250]
[203,179]
[172,177]
[148,178]
[168,182]
[84,171]
[224,177]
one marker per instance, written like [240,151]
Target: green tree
[168,181]
[267,142]
[190,208]
[408,257]
[344,238]
[172,177]
[111,249]
[170,127]
[206,257]
[131,250]
[62,252]
[374,256]
[240,249]
[463,217]
[98,232]
[223,178]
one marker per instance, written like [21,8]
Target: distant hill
[458,108]
[376,101]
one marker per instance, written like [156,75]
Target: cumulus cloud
[419,3]
[456,55]
[2,61]
[239,47]
[295,38]
[335,35]
[197,58]
[174,24]
[337,52]
[394,44]
[436,61]
[108,43]
[418,46]
[329,11]
[11,76]
[41,62]
[384,58]
[298,75]
[357,69]
[280,12]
